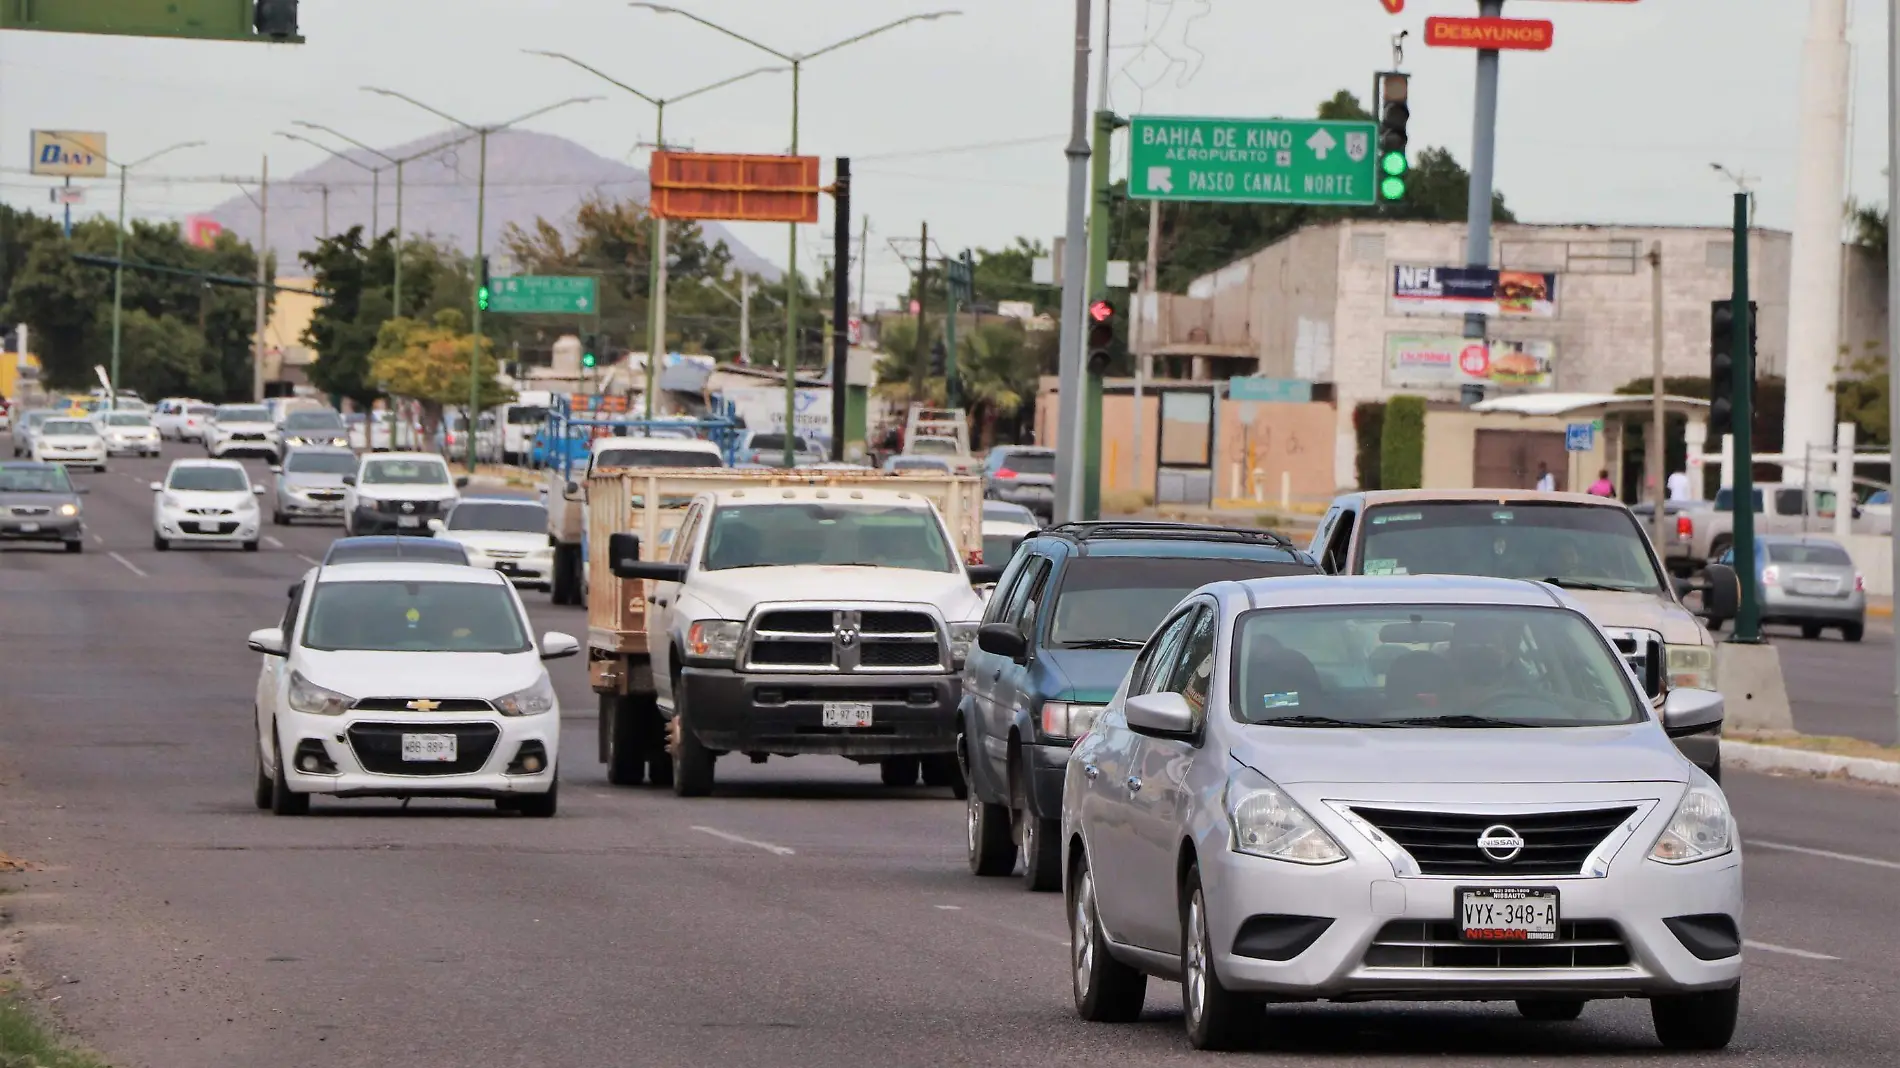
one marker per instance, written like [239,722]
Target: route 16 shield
[1357,145]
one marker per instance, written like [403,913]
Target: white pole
[1814,282]
[1893,295]
[263,283]
[1843,480]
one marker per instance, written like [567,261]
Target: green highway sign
[529,294]
[1252,161]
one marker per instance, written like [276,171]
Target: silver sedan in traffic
[1397,788]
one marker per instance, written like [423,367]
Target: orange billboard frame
[734,187]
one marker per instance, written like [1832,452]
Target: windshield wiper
[1313,721]
[1458,721]
[1103,643]
[1585,584]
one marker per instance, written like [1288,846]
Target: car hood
[508,540]
[37,500]
[232,499]
[129,431]
[1420,756]
[407,491]
[733,592]
[66,439]
[480,676]
[1088,675]
[312,480]
[1642,611]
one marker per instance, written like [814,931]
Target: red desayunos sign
[1531,35]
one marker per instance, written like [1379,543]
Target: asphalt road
[805,916]
[1838,687]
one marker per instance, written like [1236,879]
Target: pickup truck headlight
[532,701]
[962,640]
[1067,721]
[713,639]
[68,509]
[1267,823]
[1689,667]
[1700,829]
[307,696]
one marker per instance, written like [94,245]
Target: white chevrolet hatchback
[1416,789]
[407,680]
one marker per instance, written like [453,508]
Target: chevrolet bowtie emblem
[425,705]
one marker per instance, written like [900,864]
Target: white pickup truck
[777,613]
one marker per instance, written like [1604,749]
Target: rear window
[1575,545]
[1725,499]
[1829,555]
[526,517]
[237,414]
[1029,463]
[525,414]
[1118,599]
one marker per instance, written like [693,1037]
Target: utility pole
[1151,305]
[1893,296]
[1814,251]
[118,272]
[864,265]
[1748,617]
[481,266]
[324,188]
[1069,445]
[1484,143]
[1658,421]
[840,302]
[745,319]
[263,283]
[656,297]
[922,289]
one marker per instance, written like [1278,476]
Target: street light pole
[797,61]
[375,177]
[118,268]
[481,207]
[656,277]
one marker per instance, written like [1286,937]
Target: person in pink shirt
[1602,487]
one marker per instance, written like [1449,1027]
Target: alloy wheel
[1194,964]
[1082,933]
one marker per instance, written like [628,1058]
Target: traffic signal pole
[1484,140]
[1068,504]
[1748,616]
[1099,216]
[475,342]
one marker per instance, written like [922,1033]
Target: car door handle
[1091,771]
[1134,785]
[661,601]
[995,675]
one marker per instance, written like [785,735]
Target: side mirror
[269,641]
[985,575]
[657,570]
[437,525]
[1165,715]
[1003,639]
[1722,593]
[557,646]
[158,487]
[1682,586]
[349,480]
[1691,712]
[461,481]
[256,489]
[276,469]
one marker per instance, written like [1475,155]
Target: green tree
[429,362]
[166,356]
[344,329]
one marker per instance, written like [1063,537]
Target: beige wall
[1451,435]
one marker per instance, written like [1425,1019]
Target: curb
[1753,757]
[1881,611]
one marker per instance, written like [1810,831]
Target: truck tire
[942,769]
[627,737]
[692,761]
[566,584]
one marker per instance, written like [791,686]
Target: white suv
[406,680]
[241,428]
[398,493]
[205,501]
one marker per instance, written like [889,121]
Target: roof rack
[1154,530]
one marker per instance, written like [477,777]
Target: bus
[517,423]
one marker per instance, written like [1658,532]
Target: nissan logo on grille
[1500,844]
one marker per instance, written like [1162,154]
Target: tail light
[1004,472]
[1685,527]
[1771,575]
[1860,584]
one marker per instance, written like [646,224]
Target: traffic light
[1395,92]
[590,347]
[1101,335]
[1722,365]
[939,359]
[482,292]
[275,18]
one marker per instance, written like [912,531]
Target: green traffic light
[587,359]
[1392,189]
[481,298]
[1393,163]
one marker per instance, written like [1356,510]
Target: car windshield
[34,419]
[1005,512]
[1028,463]
[237,413]
[415,617]
[53,428]
[776,535]
[320,463]
[1121,599]
[917,463]
[1820,553]
[34,480]
[1580,546]
[405,472]
[1428,665]
[933,447]
[526,516]
[313,420]
[128,419]
[643,457]
[208,479]
[521,414]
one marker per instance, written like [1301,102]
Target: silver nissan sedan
[1397,788]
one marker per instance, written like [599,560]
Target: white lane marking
[308,560]
[1769,947]
[100,538]
[775,850]
[950,908]
[129,565]
[1872,862]
[273,542]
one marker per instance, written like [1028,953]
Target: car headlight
[170,501]
[69,509]
[307,696]
[713,639]
[1701,828]
[532,701]
[962,640]
[1267,823]
[1067,720]
[1689,667]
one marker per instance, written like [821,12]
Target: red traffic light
[1101,311]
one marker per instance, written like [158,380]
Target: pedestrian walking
[1602,486]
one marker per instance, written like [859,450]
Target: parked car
[1807,581]
[1022,474]
[1075,604]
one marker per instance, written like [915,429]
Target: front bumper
[732,711]
[43,528]
[525,571]
[89,457]
[133,446]
[228,446]
[358,746]
[372,521]
[182,527]
[303,507]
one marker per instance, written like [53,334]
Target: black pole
[1748,619]
[840,306]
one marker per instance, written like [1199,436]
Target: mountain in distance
[530,176]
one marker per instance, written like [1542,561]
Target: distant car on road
[69,440]
[1022,474]
[398,493]
[205,502]
[1397,788]
[406,680]
[1004,527]
[128,433]
[390,548]
[767,449]
[39,503]
[24,428]
[314,426]
[309,483]
[239,429]
[1807,581]
[505,533]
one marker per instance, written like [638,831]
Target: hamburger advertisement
[1460,290]
[1415,361]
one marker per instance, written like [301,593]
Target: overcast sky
[1617,123]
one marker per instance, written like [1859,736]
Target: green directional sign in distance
[1252,161]
[529,294]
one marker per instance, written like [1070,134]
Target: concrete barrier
[1754,695]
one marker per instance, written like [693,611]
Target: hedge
[1368,419]
[1402,444]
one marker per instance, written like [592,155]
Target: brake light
[1860,584]
[1685,527]
[1771,575]
[1004,472]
